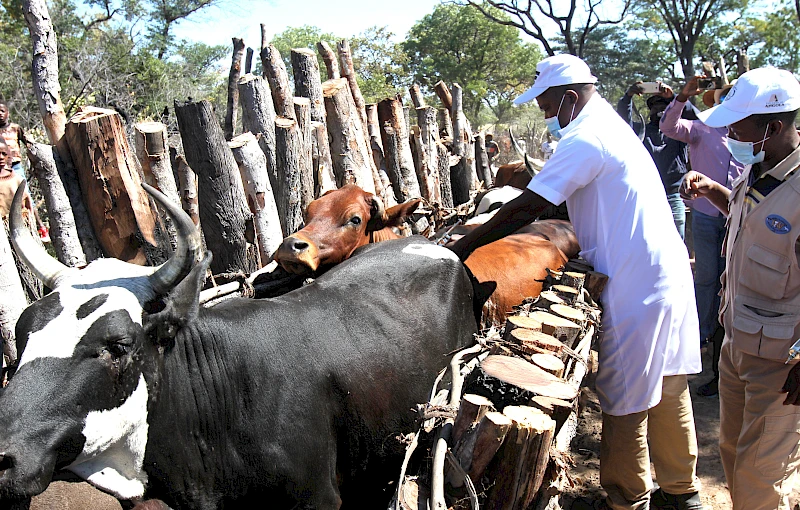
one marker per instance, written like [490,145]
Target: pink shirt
[708,153]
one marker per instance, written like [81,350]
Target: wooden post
[329,57]
[445,189]
[444,95]
[187,182]
[302,112]
[258,117]
[307,81]
[349,150]
[275,72]
[257,188]
[233,92]
[12,298]
[63,231]
[445,124]
[153,153]
[248,61]
[264,38]
[376,146]
[223,210]
[398,157]
[118,206]
[482,160]
[416,96]
[288,145]
[463,176]
[324,179]
[349,72]
[428,169]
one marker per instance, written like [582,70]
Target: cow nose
[298,245]
[6,461]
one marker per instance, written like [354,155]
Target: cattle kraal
[127,382]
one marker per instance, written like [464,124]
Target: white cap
[554,71]
[762,90]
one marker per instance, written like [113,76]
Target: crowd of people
[735,164]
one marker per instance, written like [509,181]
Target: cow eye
[118,350]
[355,220]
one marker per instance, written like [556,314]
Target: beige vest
[761,285]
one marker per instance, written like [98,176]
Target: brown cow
[512,174]
[342,220]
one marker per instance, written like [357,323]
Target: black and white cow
[291,402]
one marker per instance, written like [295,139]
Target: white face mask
[743,151]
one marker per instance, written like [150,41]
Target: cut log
[568,294]
[479,446]
[307,82]
[275,72]
[428,167]
[258,117]
[378,163]
[445,189]
[548,298]
[348,71]
[578,266]
[223,212]
[519,466]
[264,36]
[329,57]
[462,176]
[125,224]
[573,279]
[444,95]
[302,112]
[324,179]
[569,313]
[556,408]
[445,124]
[153,153]
[248,61]
[397,151]
[518,381]
[533,342]
[187,183]
[416,96]
[470,411]
[257,188]
[595,283]
[549,363]
[349,150]
[235,73]
[288,144]
[518,321]
[482,160]
[564,330]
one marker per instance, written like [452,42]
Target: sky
[345,18]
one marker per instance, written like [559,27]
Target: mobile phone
[650,87]
[709,83]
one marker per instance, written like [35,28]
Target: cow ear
[395,216]
[377,213]
[179,306]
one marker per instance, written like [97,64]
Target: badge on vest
[778,224]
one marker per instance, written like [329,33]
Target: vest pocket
[777,446]
[762,331]
[765,272]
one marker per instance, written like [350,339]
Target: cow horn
[33,254]
[188,248]
[528,165]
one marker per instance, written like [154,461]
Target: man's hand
[792,387]
[690,89]
[695,184]
[635,89]
[665,91]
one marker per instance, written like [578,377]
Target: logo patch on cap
[774,102]
[778,224]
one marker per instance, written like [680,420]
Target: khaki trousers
[759,436]
[625,457]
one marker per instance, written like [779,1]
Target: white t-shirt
[624,225]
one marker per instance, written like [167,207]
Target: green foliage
[380,64]
[306,36]
[776,38]
[491,63]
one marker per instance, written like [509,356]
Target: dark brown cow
[342,220]
[512,174]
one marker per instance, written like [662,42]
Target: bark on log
[63,231]
[275,72]
[187,182]
[568,313]
[578,266]
[349,72]
[549,363]
[556,408]
[12,298]
[235,73]
[518,321]
[223,211]
[416,96]
[595,283]
[534,342]
[445,189]
[120,210]
[397,151]
[568,294]
[573,279]
[329,57]
[445,125]
[520,463]
[264,37]
[258,117]
[324,179]
[482,161]
[258,190]
[428,169]
[153,153]
[470,411]
[248,61]
[444,95]
[288,143]
[349,150]
[547,299]
[307,82]
[302,112]
[378,159]
[564,330]
[521,380]
[480,445]
[463,175]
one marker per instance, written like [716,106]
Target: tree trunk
[398,157]
[376,147]
[118,206]
[329,57]
[233,92]
[63,231]
[324,179]
[444,95]
[302,112]
[428,169]
[12,297]
[153,153]
[275,71]
[348,145]
[416,96]
[445,189]
[223,214]
[257,188]
[289,147]
[307,82]
[187,181]
[462,176]
[482,161]
[248,61]
[258,117]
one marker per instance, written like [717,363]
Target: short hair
[654,100]
[576,87]
[788,118]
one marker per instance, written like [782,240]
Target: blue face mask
[743,151]
[552,123]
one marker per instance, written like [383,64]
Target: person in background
[548,147]
[759,381]
[492,149]
[9,182]
[669,155]
[708,154]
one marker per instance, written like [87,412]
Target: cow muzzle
[298,254]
